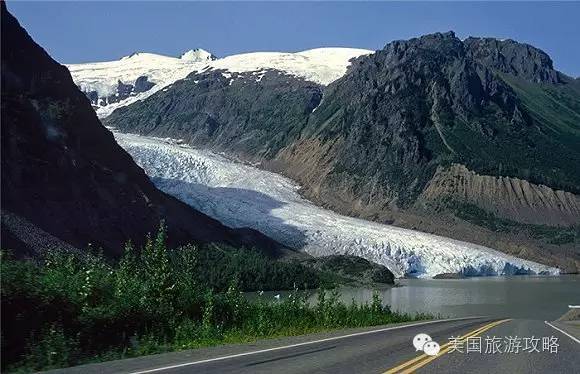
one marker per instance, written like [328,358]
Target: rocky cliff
[253,115]
[63,174]
[510,198]
[517,59]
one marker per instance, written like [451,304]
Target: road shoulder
[187,356]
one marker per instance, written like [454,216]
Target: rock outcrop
[122,92]
[510,198]
[517,59]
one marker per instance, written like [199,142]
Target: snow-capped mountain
[433,133]
[240,195]
[110,85]
[113,84]
[320,65]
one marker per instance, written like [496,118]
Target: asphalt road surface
[387,349]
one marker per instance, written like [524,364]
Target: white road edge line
[562,331]
[299,344]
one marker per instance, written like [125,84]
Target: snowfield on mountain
[241,195]
[103,77]
[321,65]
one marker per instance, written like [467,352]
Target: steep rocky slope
[222,112]
[417,104]
[517,59]
[378,142]
[511,198]
[63,175]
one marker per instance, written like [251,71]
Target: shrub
[70,308]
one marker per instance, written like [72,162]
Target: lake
[531,297]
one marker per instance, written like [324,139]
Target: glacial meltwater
[529,297]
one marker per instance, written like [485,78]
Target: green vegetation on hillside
[216,266]
[557,106]
[350,270]
[68,309]
[554,146]
[551,234]
[547,152]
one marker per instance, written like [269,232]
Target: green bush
[70,308]
[53,350]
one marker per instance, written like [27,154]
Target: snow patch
[240,195]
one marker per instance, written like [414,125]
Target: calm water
[544,298]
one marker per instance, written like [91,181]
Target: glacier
[242,195]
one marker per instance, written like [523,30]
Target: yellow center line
[447,349]
[422,360]
[407,363]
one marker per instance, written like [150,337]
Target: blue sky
[89,31]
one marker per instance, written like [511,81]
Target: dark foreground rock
[63,172]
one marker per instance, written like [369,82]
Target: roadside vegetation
[67,309]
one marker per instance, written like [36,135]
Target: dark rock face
[517,59]
[412,106]
[254,115]
[398,113]
[93,97]
[142,84]
[124,90]
[63,172]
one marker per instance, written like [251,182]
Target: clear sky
[75,32]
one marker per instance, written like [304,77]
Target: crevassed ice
[241,195]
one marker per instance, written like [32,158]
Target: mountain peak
[197,55]
[514,58]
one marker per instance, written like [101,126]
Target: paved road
[565,358]
[367,351]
